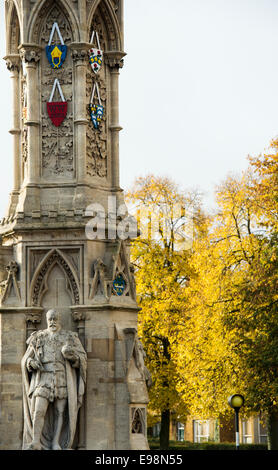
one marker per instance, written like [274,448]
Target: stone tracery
[39,286]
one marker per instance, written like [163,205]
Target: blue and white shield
[56,55]
[96,112]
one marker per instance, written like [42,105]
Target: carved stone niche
[138,420]
[138,427]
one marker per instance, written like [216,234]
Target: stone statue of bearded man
[54,376]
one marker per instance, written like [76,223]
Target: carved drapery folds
[57,142]
[39,283]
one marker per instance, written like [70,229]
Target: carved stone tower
[47,259]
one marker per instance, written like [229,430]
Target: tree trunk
[165,430]
[272,429]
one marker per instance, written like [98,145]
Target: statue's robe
[35,384]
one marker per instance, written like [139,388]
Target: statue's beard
[54,328]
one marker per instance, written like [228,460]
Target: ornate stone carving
[12,63]
[97,139]
[54,375]
[33,317]
[136,357]
[57,142]
[140,356]
[11,282]
[121,267]
[79,55]
[99,283]
[115,4]
[29,54]
[38,288]
[138,420]
[115,59]
[109,26]
[64,22]
[78,316]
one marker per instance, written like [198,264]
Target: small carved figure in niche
[11,281]
[99,284]
[137,426]
[54,376]
[140,356]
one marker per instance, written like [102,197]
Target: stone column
[114,60]
[80,59]
[13,65]
[30,55]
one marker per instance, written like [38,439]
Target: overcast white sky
[198,93]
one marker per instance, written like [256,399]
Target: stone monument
[83,386]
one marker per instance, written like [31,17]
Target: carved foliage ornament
[30,55]
[97,141]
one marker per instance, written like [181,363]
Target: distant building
[252,430]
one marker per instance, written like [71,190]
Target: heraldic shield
[56,53]
[57,110]
[96,110]
[95,54]
[119,285]
[95,59]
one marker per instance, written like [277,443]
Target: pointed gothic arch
[14,28]
[39,284]
[110,21]
[41,11]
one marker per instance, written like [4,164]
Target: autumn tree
[160,256]
[231,341]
